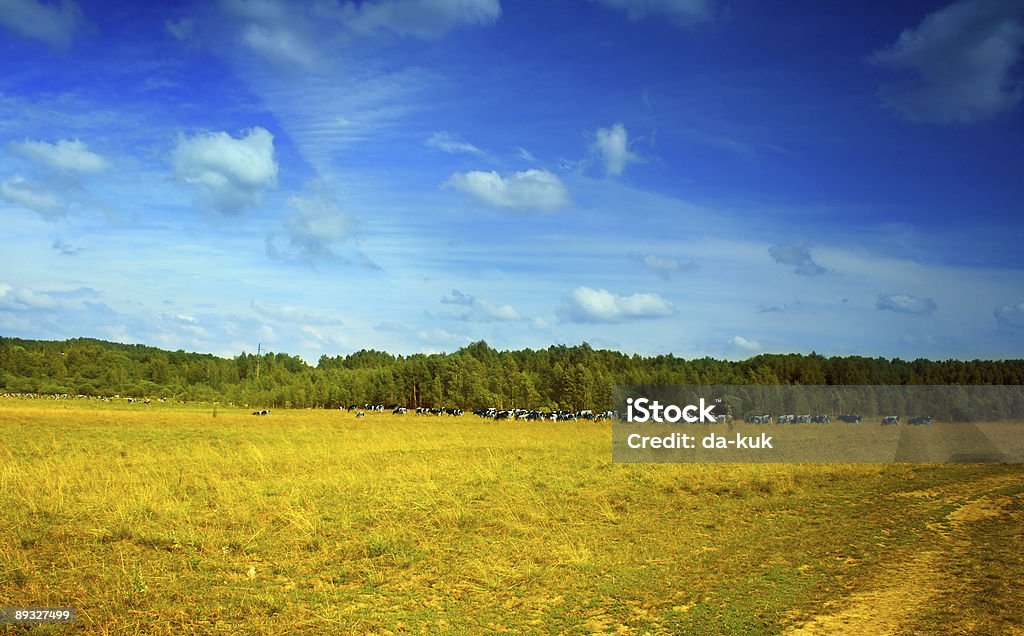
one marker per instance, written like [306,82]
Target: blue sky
[684,176]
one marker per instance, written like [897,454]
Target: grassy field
[163,519]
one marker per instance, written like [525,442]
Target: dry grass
[155,519]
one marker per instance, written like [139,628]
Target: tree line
[475,376]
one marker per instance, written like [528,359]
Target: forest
[475,376]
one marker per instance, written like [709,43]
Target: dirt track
[890,601]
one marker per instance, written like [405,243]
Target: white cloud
[682,11]
[19,191]
[959,61]
[525,155]
[612,147]
[797,255]
[54,24]
[427,19]
[480,309]
[64,155]
[745,344]
[317,225]
[446,142]
[230,173]
[905,304]
[532,188]
[585,304]
[1010,316]
[278,44]
[22,299]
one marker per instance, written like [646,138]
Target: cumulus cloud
[1010,316]
[534,188]
[481,310]
[230,174]
[612,148]
[587,305]
[23,299]
[64,155]
[747,345]
[682,11]
[446,142]
[317,225]
[905,304]
[958,63]
[22,193]
[54,24]
[797,255]
[426,19]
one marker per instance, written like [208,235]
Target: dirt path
[892,598]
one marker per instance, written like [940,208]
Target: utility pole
[258,346]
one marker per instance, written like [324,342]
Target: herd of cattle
[490,413]
[533,415]
[888,420]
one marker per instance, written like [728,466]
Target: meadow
[170,519]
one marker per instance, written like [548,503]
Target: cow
[802,419]
[263,412]
[360,414]
[891,420]
[921,419]
[821,419]
[850,419]
[399,410]
[786,419]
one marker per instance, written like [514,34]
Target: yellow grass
[159,519]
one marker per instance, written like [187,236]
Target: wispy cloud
[278,45]
[664,266]
[65,248]
[480,310]
[681,11]
[905,304]
[64,155]
[745,344]
[54,24]
[318,225]
[426,19]
[797,255]
[449,143]
[1010,316]
[21,192]
[959,62]
[292,315]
